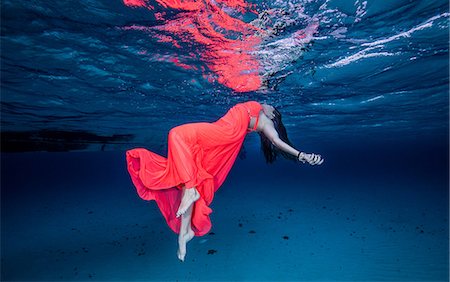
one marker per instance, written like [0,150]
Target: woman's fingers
[312,159]
[319,160]
[315,159]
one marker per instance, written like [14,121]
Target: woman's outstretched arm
[269,131]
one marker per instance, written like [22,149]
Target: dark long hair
[270,151]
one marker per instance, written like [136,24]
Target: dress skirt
[199,155]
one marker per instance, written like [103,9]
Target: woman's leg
[190,195]
[186,233]
[185,211]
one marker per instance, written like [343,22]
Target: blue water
[370,93]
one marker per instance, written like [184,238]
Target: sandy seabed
[76,216]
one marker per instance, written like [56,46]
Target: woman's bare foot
[189,196]
[183,239]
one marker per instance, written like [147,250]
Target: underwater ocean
[363,83]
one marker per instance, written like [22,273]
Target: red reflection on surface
[137,3]
[177,62]
[223,42]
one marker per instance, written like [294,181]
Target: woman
[200,155]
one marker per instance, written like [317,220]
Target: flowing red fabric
[199,155]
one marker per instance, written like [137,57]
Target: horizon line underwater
[224,140]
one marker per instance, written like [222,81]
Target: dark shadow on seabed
[379,215]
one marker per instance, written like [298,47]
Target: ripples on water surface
[124,72]
[350,77]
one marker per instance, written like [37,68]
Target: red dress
[199,155]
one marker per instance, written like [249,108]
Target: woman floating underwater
[200,155]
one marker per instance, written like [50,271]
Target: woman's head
[270,151]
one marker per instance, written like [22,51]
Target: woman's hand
[312,159]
